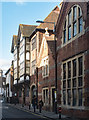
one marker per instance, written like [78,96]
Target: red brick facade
[78,46]
[47,82]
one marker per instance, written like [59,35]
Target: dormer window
[73,24]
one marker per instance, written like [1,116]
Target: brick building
[72,57]
[46,62]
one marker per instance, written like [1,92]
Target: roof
[14,42]
[7,71]
[26,30]
[51,44]
[52,17]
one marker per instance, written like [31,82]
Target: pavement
[47,114]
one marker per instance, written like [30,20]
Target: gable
[43,52]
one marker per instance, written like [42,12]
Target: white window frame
[46,102]
[45,63]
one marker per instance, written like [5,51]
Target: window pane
[69,18]
[27,70]
[80,24]
[80,62]
[27,40]
[74,82]
[69,83]
[74,68]
[74,28]
[64,84]
[69,69]
[34,43]
[74,97]
[80,97]
[64,36]
[69,33]
[80,12]
[80,82]
[28,47]
[75,13]
[69,97]
[64,97]
[27,63]
[27,56]
[46,69]
[64,71]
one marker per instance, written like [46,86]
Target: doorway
[53,99]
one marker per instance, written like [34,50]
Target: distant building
[9,84]
[2,83]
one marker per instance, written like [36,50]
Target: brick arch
[33,86]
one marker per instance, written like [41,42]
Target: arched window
[73,24]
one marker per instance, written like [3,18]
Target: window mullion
[77,81]
[77,20]
[72,23]
[66,84]
[67,28]
[71,82]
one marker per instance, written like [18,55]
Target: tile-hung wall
[73,82]
[73,25]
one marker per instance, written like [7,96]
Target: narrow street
[12,113]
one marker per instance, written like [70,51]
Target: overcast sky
[13,14]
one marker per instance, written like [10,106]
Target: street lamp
[54,31]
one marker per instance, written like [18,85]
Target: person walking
[40,105]
[34,102]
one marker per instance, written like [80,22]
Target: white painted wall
[8,81]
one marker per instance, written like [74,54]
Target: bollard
[59,112]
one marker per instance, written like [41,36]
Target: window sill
[72,39]
[46,76]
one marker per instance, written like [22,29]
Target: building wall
[77,46]
[46,83]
